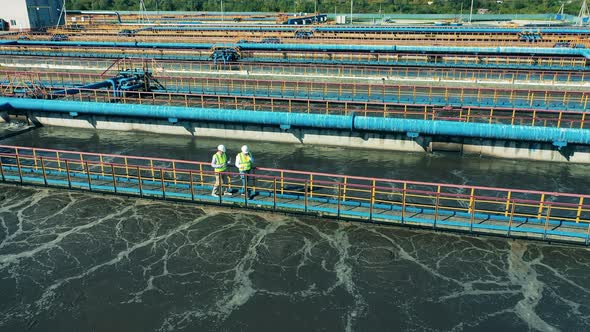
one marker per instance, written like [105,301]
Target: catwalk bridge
[548,216]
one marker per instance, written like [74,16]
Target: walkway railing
[499,211]
[286,56]
[414,73]
[425,109]
[337,91]
[420,36]
[288,37]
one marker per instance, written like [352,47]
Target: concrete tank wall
[365,140]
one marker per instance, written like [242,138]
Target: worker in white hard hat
[245,163]
[219,164]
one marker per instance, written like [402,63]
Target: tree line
[341,6]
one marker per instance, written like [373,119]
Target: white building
[23,15]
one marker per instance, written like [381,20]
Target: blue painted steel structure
[558,136]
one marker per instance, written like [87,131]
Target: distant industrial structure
[24,15]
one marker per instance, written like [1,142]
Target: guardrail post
[162,183]
[18,164]
[339,199]
[511,217]
[282,182]
[404,197]
[540,212]
[372,202]
[192,185]
[579,212]
[274,194]
[68,174]
[174,171]
[508,197]
[436,204]
[310,185]
[43,171]
[139,182]
[58,161]
[35,158]
[305,195]
[547,222]
[126,168]
[472,216]
[472,199]
[2,170]
[88,176]
[101,165]
[114,178]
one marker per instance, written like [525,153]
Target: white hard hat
[245,149]
[221,148]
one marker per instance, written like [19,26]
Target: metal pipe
[286,120]
[325,47]
[479,130]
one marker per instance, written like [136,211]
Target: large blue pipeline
[323,47]
[558,136]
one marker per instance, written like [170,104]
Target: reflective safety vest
[245,162]
[221,160]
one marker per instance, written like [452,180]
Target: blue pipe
[479,130]
[286,120]
[326,47]
[131,87]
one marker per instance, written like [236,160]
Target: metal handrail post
[436,206]
[511,217]
[139,182]
[114,178]
[68,174]
[20,172]
[305,195]
[162,182]
[339,198]
[2,171]
[404,198]
[191,184]
[274,194]
[88,176]
[43,171]
[547,222]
